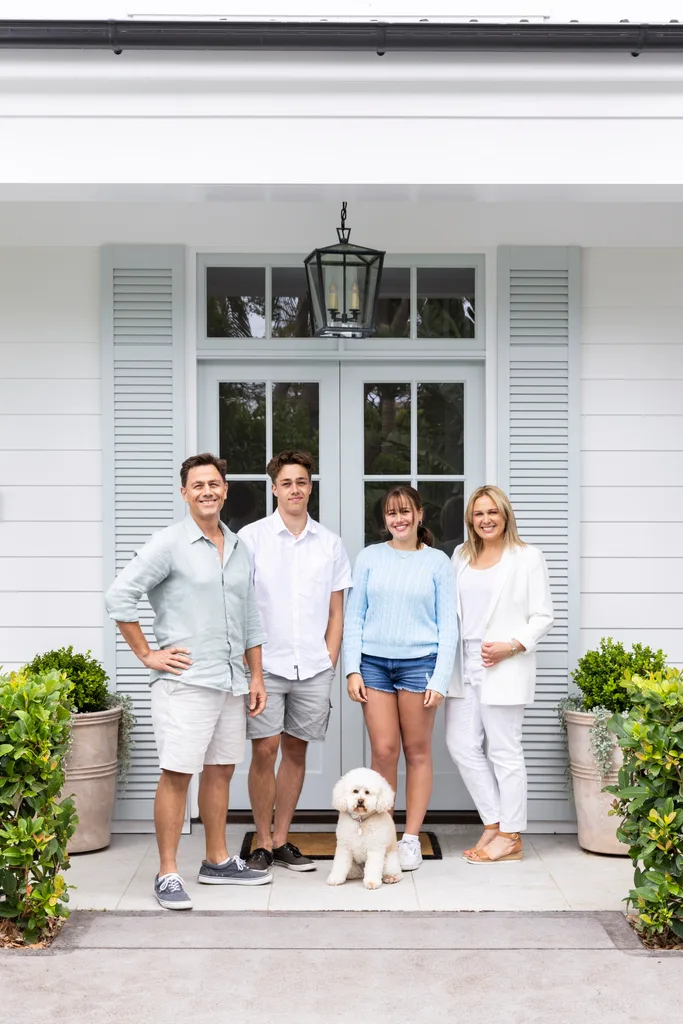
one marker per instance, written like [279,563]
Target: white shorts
[197,725]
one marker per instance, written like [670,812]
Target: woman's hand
[432,698]
[356,688]
[494,651]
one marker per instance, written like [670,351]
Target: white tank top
[476,590]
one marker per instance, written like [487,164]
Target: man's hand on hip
[174,660]
[257,696]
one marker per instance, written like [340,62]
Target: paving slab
[344,931]
[555,875]
[360,986]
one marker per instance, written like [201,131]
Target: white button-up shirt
[294,578]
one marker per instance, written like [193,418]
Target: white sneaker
[409,854]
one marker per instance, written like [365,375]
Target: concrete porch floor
[555,875]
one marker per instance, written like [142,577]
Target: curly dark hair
[290,458]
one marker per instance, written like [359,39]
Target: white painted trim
[491,364]
[574,418]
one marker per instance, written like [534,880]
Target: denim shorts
[389,675]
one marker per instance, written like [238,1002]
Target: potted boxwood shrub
[594,755]
[102,723]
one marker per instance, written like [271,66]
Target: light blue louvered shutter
[539,453]
[144,439]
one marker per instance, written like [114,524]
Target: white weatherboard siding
[632,448]
[50,452]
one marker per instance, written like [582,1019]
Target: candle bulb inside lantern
[354,302]
[332,301]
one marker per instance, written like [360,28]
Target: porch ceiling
[382,193]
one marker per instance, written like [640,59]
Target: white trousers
[496,780]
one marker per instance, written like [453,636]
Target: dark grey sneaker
[233,872]
[288,856]
[260,860]
[170,892]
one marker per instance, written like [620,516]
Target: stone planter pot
[597,828]
[91,768]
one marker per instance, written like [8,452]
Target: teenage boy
[301,571]
[197,576]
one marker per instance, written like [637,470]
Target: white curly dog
[366,834]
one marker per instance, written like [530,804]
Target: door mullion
[269,441]
[413,433]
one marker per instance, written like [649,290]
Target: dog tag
[360,830]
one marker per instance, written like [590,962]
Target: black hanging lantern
[343,284]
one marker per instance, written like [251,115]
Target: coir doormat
[321,845]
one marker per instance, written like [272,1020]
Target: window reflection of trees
[296,417]
[387,428]
[242,426]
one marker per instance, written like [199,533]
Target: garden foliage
[599,673]
[35,824]
[649,795]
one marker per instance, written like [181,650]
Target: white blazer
[521,607]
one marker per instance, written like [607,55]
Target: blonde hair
[473,546]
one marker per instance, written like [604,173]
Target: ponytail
[425,536]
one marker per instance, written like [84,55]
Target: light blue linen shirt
[402,606]
[198,602]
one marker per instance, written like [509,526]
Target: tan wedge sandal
[483,857]
[484,841]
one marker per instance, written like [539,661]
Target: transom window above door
[269,302]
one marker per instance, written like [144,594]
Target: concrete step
[346,931]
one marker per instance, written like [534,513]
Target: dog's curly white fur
[366,834]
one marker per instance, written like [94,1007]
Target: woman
[400,634]
[504,609]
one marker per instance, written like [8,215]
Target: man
[197,576]
[300,573]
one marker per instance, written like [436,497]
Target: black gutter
[374,37]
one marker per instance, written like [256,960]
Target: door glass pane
[445,302]
[296,417]
[444,512]
[374,521]
[291,316]
[440,447]
[392,313]
[242,426]
[236,302]
[387,428]
[246,502]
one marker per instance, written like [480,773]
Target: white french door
[422,424]
[369,425]
[247,412]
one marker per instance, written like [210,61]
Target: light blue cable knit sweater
[402,607]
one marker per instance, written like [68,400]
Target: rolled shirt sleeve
[255,634]
[146,570]
[342,578]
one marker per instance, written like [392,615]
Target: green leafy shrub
[599,673]
[649,796]
[91,693]
[35,825]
